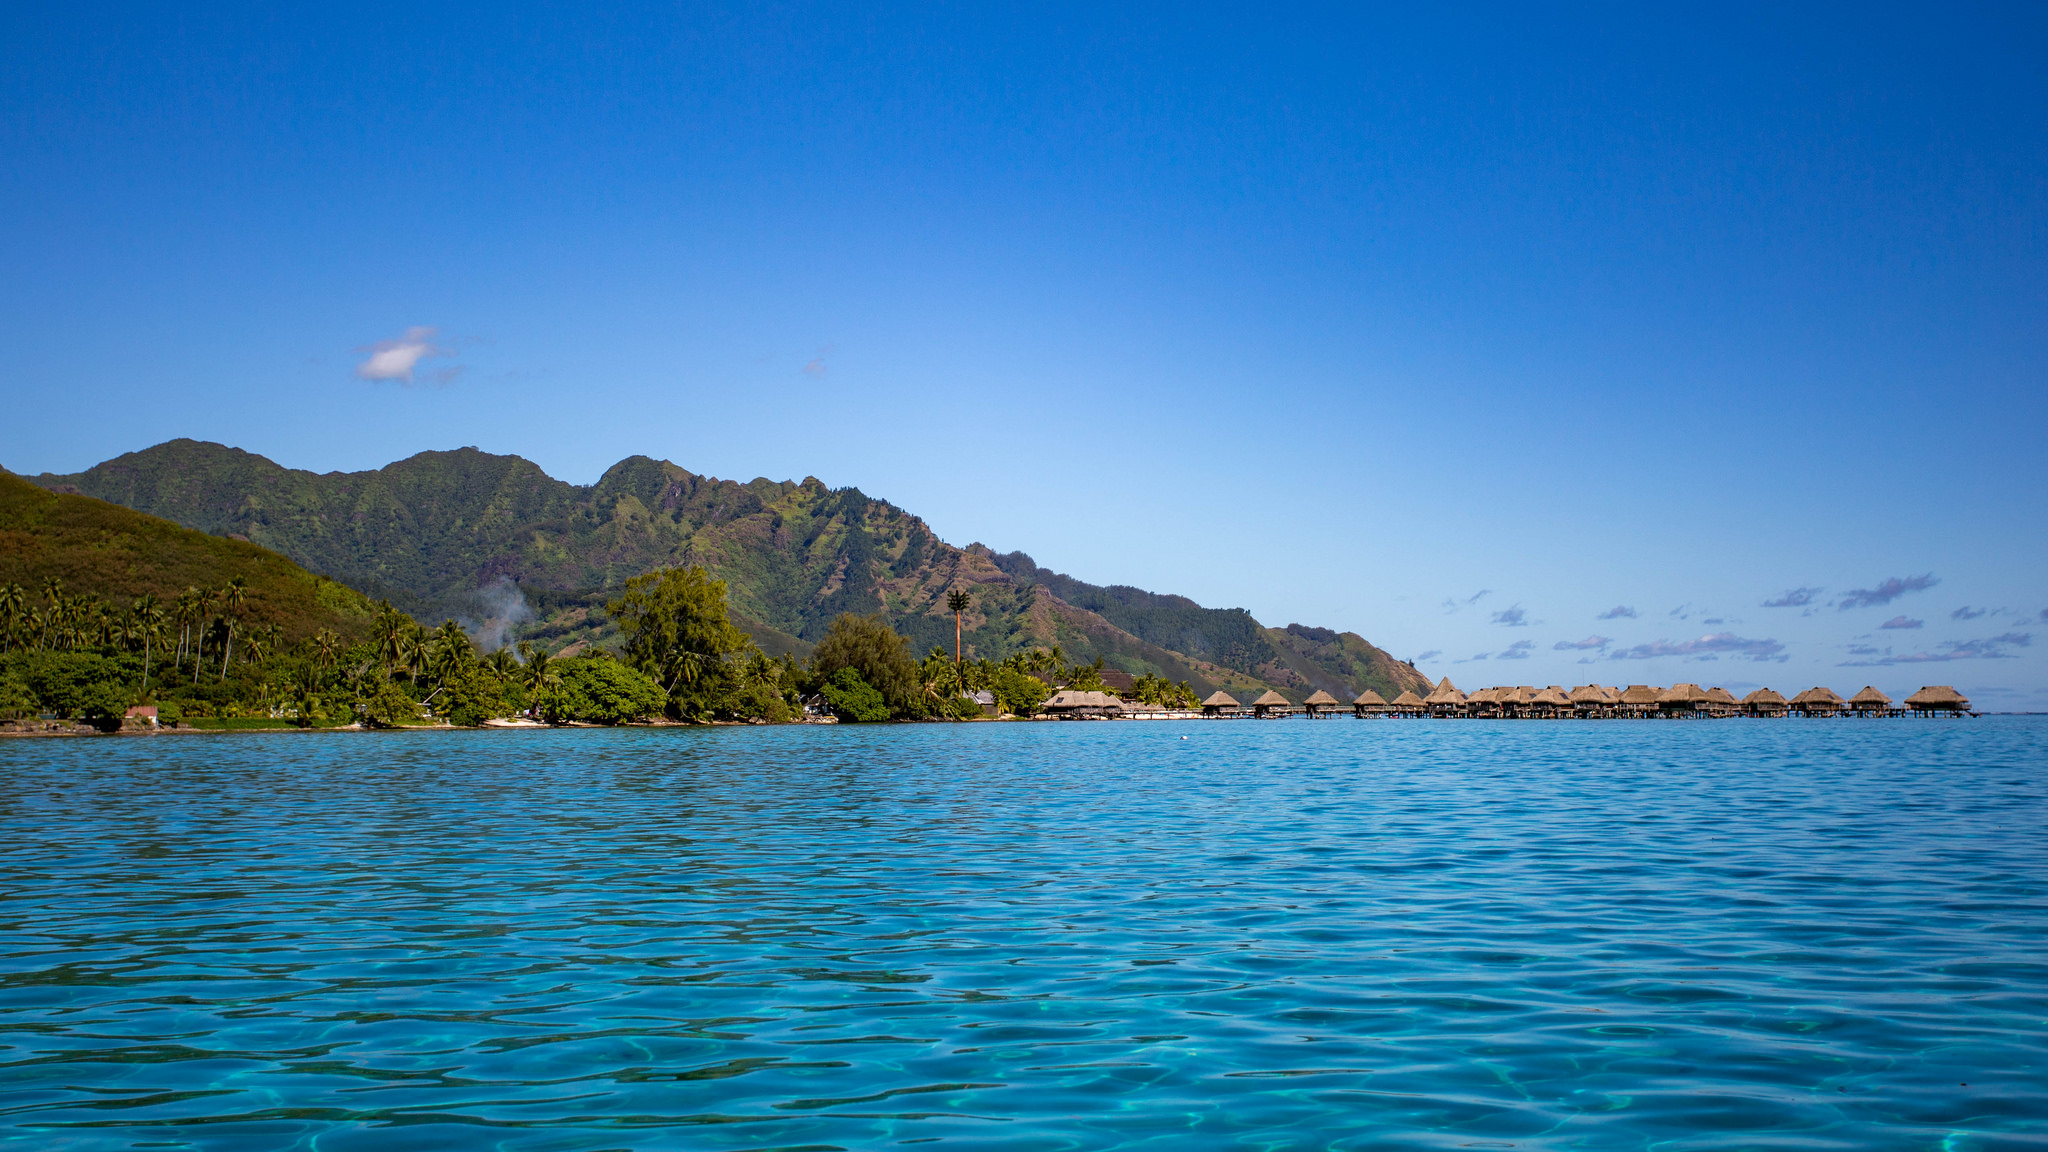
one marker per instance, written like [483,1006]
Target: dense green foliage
[677,633]
[431,530]
[878,654]
[853,699]
[600,690]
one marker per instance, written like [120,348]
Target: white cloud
[396,359]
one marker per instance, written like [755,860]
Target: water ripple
[1034,937]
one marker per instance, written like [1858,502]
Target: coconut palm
[13,603]
[957,602]
[325,647]
[232,597]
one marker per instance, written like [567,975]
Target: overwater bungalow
[1549,703]
[1682,700]
[1766,702]
[1320,704]
[1408,704]
[1446,700]
[1273,705]
[1870,702]
[1592,701]
[1371,703]
[1819,702]
[1639,700]
[1722,702]
[1221,703]
[1483,703]
[1072,705]
[1938,699]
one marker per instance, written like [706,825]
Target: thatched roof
[1722,696]
[1273,699]
[1938,696]
[1553,696]
[1407,699]
[1870,695]
[1221,699]
[1765,696]
[1072,699]
[1320,698]
[1446,693]
[1370,698]
[1589,694]
[1641,694]
[1818,697]
[1682,694]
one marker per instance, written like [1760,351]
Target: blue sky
[1459,328]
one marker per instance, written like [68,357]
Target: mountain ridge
[448,532]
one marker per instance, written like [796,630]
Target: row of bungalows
[1586,702]
[1689,701]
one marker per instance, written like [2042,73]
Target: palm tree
[13,601]
[232,598]
[149,621]
[325,645]
[957,601]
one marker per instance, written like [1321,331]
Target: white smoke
[503,607]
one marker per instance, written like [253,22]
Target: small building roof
[984,697]
[1221,699]
[1682,694]
[1368,698]
[1274,699]
[1074,699]
[1820,696]
[1320,698]
[1446,693]
[1408,699]
[1590,694]
[1641,694]
[1765,696]
[1939,696]
[1722,696]
[1871,695]
[1553,696]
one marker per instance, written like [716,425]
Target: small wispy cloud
[1967,613]
[1886,592]
[815,368]
[1794,598]
[1705,648]
[1519,650]
[1432,654]
[1590,642]
[1618,612]
[395,360]
[1990,648]
[1898,622]
[1453,604]
[1512,617]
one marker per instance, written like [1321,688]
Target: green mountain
[487,537]
[118,554]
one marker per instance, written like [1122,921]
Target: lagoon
[1814,934]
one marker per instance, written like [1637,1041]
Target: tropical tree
[869,646]
[677,632]
[232,598]
[13,605]
[957,602]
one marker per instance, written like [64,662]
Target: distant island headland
[199,584]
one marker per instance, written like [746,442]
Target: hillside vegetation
[446,532]
[100,550]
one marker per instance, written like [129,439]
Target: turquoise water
[1778,934]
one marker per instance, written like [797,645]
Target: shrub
[600,690]
[388,706]
[853,699]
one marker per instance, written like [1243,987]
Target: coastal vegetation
[475,536]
